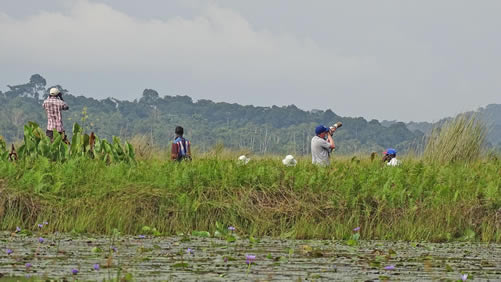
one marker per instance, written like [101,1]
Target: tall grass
[461,139]
[416,201]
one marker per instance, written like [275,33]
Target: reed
[419,200]
[460,139]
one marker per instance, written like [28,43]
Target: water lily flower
[74,271]
[114,249]
[464,277]
[142,236]
[96,266]
[18,229]
[41,240]
[389,267]
[40,225]
[356,229]
[28,265]
[9,251]
[45,223]
[231,228]
[189,251]
[225,259]
[249,259]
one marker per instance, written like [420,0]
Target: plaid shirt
[53,107]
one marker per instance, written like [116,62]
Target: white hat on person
[54,91]
[243,159]
[289,161]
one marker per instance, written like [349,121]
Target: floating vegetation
[170,258]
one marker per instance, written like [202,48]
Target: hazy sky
[404,60]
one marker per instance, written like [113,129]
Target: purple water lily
[141,236]
[96,266]
[231,228]
[41,240]
[45,223]
[74,271]
[114,249]
[464,277]
[190,251]
[40,225]
[9,251]
[389,267]
[18,229]
[28,265]
[356,229]
[250,259]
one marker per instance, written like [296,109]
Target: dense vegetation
[417,201]
[37,145]
[451,192]
[284,130]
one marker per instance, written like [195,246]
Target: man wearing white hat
[54,105]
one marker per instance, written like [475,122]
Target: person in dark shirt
[181,147]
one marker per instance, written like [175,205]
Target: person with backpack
[181,147]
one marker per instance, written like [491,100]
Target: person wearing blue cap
[390,157]
[321,148]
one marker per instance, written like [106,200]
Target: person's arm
[64,106]
[331,141]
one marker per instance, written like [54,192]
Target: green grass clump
[418,200]
[461,139]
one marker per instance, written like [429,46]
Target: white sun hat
[243,159]
[289,161]
[54,91]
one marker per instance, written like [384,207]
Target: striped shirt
[53,107]
[183,146]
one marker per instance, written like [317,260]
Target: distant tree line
[280,130]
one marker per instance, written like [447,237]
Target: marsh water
[147,258]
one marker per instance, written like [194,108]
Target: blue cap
[321,129]
[391,151]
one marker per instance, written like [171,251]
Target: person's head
[179,131]
[54,92]
[389,154]
[321,131]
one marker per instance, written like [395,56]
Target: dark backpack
[181,149]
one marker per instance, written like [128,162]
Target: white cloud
[220,42]
[391,61]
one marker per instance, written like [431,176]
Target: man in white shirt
[321,148]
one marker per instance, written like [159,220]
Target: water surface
[168,258]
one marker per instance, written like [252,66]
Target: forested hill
[257,129]
[491,114]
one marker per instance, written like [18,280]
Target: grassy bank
[417,201]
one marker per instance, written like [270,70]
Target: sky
[395,60]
